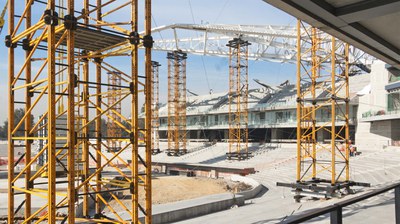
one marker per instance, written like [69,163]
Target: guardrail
[335,210]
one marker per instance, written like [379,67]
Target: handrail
[335,210]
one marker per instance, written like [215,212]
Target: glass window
[393,101]
[262,116]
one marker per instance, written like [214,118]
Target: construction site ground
[276,163]
[167,189]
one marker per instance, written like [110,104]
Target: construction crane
[2,21]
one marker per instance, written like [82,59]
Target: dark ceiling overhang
[370,25]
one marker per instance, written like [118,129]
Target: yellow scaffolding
[322,110]
[155,118]
[176,103]
[73,142]
[238,99]
[114,131]
[322,88]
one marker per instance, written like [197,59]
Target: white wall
[377,134]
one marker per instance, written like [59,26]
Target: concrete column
[274,134]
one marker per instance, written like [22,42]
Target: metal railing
[335,210]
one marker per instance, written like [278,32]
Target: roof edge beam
[367,9]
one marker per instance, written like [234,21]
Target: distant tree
[3,133]
[92,128]
[127,126]
[18,115]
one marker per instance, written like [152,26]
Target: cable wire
[202,57]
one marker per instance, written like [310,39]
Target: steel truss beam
[238,99]
[176,103]
[269,43]
[68,162]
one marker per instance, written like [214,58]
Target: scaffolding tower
[176,103]
[72,44]
[238,99]
[114,131]
[155,118]
[323,168]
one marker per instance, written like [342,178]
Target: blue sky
[215,74]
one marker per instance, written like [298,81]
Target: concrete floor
[378,167]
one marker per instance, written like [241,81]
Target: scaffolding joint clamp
[31,140]
[9,43]
[132,137]
[30,92]
[84,53]
[70,22]
[148,41]
[132,188]
[50,17]
[98,59]
[131,88]
[30,184]
[134,38]
[75,80]
[26,44]
[75,138]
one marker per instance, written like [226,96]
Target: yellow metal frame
[322,88]
[67,78]
[238,99]
[177,103]
[155,118]
[114,126]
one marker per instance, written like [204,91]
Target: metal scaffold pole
[148,44]
[51,117]
[177,103]
[28,122]
[73,154]
[134,42]
[98,60]
[11,101]
[85,120]
[238,99]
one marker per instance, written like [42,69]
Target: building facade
[272,114]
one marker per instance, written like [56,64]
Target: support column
[336,216]
[72,150]
[333,110]
[51,126]
[28,121]
[114,132]
[155,119]
[299,104]
[176,103]
[85,120]
[11,77]
[98,60]
[134,111]
[238,99]
[397,204]
[148,44]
